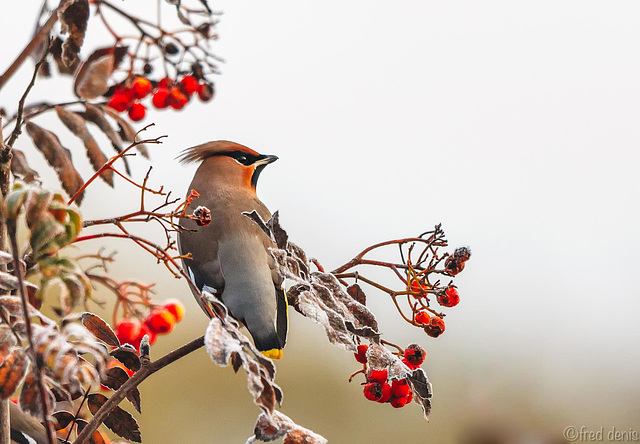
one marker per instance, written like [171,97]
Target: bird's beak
[266,159]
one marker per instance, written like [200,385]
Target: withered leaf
[114,378]
[96,437]
[62,419]
[58,157]
[30,396]
[20,167]
[8,282]
[119,421]
[56,52]
[127,355]
[78,126]
[95,115]
[127,133]
[355,291]
[280,425]
[73,19]
[93,76]
[422,391]
[12,370]
[100,329]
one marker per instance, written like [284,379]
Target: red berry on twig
[141,87]
[435,327]
[415,354]
[377,375]
[137,111]
[160,98]
[451,298]
[189,85]
[160,321]
[361,355]
[400,388]
[176,308]
[422,317]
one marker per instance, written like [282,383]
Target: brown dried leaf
[96,115]
[62,419]
[100,329]
[73,19]
[8,282]
[78,126]
[93,76]
[12,371]
[13,305]
[119,421]
[127,355]
[20,167]
[114,378]
[280,425]
[355,291]
[30,396]
[58,157]
[56,52]
[127,132]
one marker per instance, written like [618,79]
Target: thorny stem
[142,374]
[37,371]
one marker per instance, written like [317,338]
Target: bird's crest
[210,149]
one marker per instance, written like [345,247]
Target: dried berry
[206,92]
[422,317]
[414,354]
[361,355]
[377,375]
[171,49]
[454,264]
[148,68]
[435,327]
[450,298]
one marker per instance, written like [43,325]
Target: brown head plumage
[215,148]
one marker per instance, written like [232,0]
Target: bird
[230,257]
[25,429]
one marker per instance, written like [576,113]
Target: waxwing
[230,256]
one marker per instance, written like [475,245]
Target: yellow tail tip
[274,353]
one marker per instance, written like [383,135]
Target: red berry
[422,317]
[417,287]
[137,111]
[176,99]
[160,321]
[361,355]
[415,354]
[165,82]
[119,102]
[141,87]
[189,85]
[375,391]
[401,401]
[409,364]
[377,375]
[400,388]
[435,327]
[128,330]
[175,307]
[160,98]
[450,297]
[206,92]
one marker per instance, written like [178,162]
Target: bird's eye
[241,159]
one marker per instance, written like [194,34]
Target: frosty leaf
[73,19]
[92,78]
[422,391]
[8,282]
[20,167]
[78,126]
[13,306]
[58,157]
[127,355]
[118,421]
[280,425]
[56,52]
[100,329]
[12,370]
[30,400]
[225,343]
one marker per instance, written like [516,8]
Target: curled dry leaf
[100,329]
[30,396]
[118,421]
[20,167]
[278,426]
[127,355]
[96,437]
[93,76]
[78,126]
[58,157]
[225,343]
[73,19]
[56,53]
[62,419]
[114,378]
[127,133]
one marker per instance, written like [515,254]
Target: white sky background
[515,124]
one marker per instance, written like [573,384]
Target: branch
[37,371]
[142,374]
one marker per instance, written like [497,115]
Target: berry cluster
[166,93]
[160,320]
[378,387]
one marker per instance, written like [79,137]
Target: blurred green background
[515,124]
